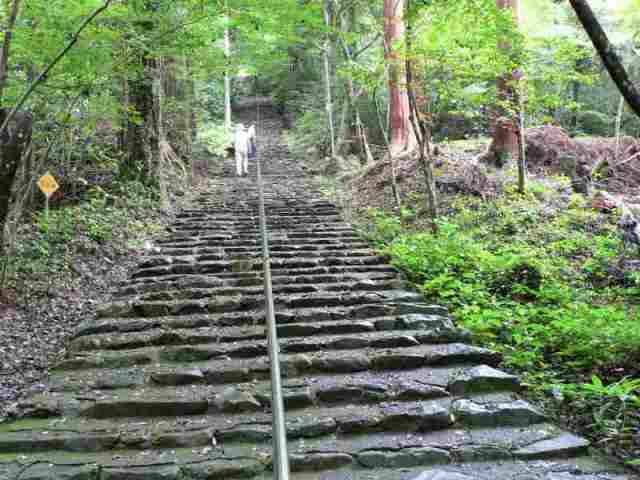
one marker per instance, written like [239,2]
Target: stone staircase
[171,380]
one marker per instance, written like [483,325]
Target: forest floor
[543,278]
[62,268]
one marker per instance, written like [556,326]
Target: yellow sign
[48,184]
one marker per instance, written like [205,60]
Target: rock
[222,469]
[418,391]
[178,377]
[298,397]
[409,457]
[348,343]
[310,428]
[348,364]
[55,472]
[516,413]
[566,445]
[418,321]
[395,342]
[319,461]
[234,400]
[442,475]
[141,473]
[293,365]
[398,361]
[347,394]
[41,406]
[425,417]
[386,324]
[482,379]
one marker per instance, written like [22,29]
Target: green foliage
[119,217]
[595,123]
[611,409]
[215,138]
[309,131]
[532,278]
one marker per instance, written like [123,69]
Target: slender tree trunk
[140,138]
[342,142]
[327,79]
[351,96]
[607,53]
[576,99]
[522,157]
[618,132]
[11,142]
[392,160]
[161,153]
[6,45]
[422,135]
[227,74]
[138,162]
[14,142]
[401,138]
[504,145]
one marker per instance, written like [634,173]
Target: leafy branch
[43,75]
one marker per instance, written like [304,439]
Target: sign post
[48,186]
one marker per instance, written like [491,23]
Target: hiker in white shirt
[245,147]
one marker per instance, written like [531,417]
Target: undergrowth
[117,220]
[542,279]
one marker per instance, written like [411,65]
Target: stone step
[482,383]
[235,416]
[431,456]
[378,316]
[250,364]
[139,308]
[280,273]
[251,248]
[191,293]
[345,242]
[252,280]
[255,264]
[223,240]
[159,261]
[331,223]
[237,342]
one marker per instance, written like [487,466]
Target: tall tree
[421,131]
[504,145]
[227,71]
[607,53]
[141,131]
[327,75]
[13,7]
[401,137]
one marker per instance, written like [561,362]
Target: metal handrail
[279,429]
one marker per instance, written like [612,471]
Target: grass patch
[539,278]
[117,220]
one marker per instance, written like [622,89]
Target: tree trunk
[504,146]
[227,74]
[327,80]
[401,138]
[576,98]
[607,53]
[342,143]
[140,138]
[137,162]
[392,160]
[422,135]
[6,45]
[14,141]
